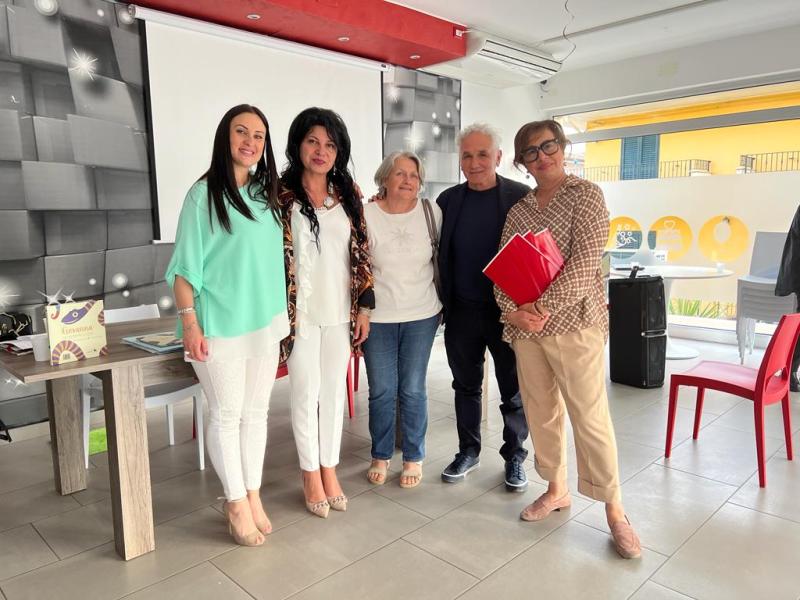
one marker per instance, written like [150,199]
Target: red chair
[767,385]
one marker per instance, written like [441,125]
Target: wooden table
[123,372]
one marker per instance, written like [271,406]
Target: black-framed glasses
[531,153]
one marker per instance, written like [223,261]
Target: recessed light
[253,17]
[414,57]
[343,39]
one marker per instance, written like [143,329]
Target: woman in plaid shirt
[559,340]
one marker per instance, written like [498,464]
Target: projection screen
[195,77]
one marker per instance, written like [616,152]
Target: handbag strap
[426,208]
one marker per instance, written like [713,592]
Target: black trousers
[468,333]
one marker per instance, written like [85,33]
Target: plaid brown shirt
[578,219]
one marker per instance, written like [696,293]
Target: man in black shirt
[474,213]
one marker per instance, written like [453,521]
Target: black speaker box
[637,331]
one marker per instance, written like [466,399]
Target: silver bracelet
[186,311]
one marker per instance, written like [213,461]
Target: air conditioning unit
[491,60]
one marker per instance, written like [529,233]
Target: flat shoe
[380,471]
[626,542]
[541,507]
[415,472]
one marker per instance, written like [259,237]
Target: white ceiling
[609,30]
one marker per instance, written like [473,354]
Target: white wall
[764,201]
[505,109]
[195,78]
[736,62]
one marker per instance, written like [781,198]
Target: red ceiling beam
[375,29]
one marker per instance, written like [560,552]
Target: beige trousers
[568,371]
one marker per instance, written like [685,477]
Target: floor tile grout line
[748,478]
[39,533]
[687,540]
[763,512]
[189,568]
[21,573]
[444,560]
[350,564]
[537,542]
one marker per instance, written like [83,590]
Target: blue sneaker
[458,469]
[516,479]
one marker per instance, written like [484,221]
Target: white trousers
[318,374]
[238,394]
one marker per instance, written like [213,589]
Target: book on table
[157,343]
[526,265]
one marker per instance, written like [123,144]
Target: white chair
[163,394]
[755,293]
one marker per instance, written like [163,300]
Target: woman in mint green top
[228,275]
[228,271]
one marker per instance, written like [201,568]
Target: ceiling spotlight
[253,17]
[447,114]
[437,131]
[125,15]
[433,116]
[46,7]
[343,39]
[101,13]
[414,57]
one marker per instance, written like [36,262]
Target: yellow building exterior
[723,146]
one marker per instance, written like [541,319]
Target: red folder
[550,256]
[526,266]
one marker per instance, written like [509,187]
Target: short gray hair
[385,169]
[483,129]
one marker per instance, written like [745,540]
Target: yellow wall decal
[723,238]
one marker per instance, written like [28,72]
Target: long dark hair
[339,176]
[222,188]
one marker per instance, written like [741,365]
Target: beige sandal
[380,470]
[415,472]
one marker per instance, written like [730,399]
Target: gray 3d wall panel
[75,203]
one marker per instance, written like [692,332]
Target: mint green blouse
[239,277]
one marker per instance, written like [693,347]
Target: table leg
[66,434]
[128,461]
[675,351]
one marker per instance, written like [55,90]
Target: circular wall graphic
[672,234]
[723,238]
[624,234]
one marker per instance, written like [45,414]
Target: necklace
[329,200]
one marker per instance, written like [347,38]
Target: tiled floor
[709,532]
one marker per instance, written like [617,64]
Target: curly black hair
[339,175]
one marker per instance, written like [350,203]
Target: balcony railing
[769,162]
[670,168]
[683,168]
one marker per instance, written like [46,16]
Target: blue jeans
[396,356]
